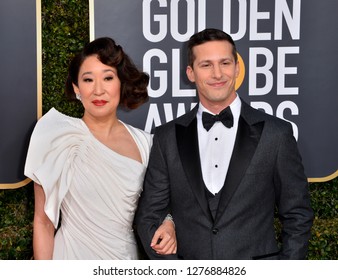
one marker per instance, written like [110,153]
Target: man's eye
[227,62]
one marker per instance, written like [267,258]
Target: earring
[78,96]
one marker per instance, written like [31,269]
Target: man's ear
[237,69]
[190,74]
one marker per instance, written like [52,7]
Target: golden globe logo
[241,75]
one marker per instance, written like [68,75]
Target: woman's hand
[164,240]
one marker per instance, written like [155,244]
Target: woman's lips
[99,102]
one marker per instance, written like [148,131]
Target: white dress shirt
[216,146]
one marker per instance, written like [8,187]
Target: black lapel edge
[187,144]
[245,146]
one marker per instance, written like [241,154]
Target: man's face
[214,72]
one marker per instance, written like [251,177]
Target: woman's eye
[87,80]
[109,78]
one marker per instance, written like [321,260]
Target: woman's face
[99,87]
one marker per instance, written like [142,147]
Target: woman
[91,170]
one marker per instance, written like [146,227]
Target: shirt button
[216,165]
[216,139]
[215,230]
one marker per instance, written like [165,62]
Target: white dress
[95,189]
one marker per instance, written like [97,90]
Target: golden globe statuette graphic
[241,75]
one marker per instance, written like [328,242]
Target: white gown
[95,189]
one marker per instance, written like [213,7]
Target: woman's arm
[43,228]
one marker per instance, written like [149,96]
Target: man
[223,183]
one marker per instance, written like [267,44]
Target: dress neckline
[115,152]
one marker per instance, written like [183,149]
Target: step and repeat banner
[289,61]
[20,86]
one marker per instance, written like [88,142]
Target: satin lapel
[187,143]
[245,146]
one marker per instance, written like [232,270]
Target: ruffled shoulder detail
[54,138]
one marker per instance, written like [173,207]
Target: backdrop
[20,85]
[289,67]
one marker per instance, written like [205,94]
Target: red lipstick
[99,102]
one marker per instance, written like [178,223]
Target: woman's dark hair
[207,35]
[133,81]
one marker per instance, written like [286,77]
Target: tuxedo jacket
[265,180]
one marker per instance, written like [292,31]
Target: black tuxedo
[265,173]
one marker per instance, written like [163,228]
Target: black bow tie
[225,116]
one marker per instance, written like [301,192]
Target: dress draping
[95,189]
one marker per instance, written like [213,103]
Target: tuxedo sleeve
[155,199]
[292,198]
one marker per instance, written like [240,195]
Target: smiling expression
[214,72]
